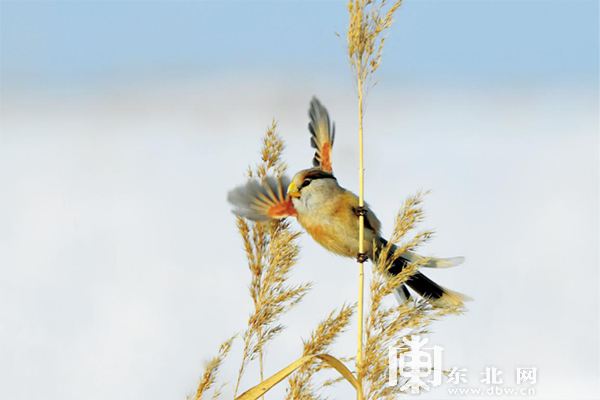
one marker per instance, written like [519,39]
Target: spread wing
[322,135]
[262,201]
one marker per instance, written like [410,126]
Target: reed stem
[361,239]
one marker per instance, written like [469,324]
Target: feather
[322,135]
[262,201]
[435,262]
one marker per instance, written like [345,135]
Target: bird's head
[310,185]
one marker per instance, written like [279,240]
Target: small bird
[330,213]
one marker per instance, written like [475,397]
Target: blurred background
[124,124]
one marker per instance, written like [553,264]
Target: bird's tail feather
[427,288]
[435,262]
[402,294]
[424,286]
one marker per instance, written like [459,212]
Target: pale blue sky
[85,43]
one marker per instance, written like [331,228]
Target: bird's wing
[371,221]
[322,135]
[261,201]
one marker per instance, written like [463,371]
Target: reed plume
[271,251]
[368,21]
[387,325]
[210,372]
[301,386]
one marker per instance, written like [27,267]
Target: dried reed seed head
[386,325]
[300,384]
[272,252]
[212,368]
[271,152]
[368,20]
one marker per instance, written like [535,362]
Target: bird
[329,213]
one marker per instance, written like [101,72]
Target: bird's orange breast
[329,236]
[320,233]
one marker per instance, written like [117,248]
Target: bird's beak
[293,190]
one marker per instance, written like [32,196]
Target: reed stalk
[368,20]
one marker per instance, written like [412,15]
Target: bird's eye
[306,183]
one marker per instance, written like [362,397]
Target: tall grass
[387,325]
[208,378]
[368,20]
[272,252]
[301,385]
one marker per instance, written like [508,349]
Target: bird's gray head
[310,187]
